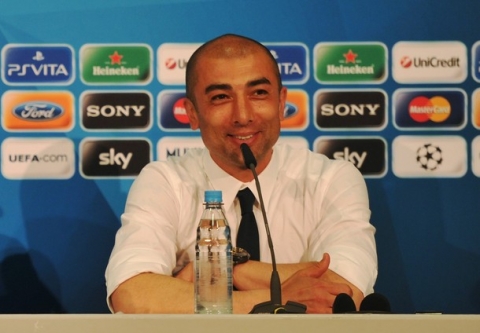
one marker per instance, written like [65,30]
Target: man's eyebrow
[219,86]
[257,82]
[226,86]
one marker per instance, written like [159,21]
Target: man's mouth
[243,137]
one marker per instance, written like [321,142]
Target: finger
[319,268]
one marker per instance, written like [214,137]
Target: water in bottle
[213,264]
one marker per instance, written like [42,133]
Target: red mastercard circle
[179,111]
[420,109]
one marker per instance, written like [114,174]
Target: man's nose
[243,112]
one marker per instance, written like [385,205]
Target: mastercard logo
[179,111]
[422,109]
[38,110]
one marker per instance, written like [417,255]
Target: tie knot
[247,199]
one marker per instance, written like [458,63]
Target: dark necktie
[247,236]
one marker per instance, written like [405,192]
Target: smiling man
[317,208]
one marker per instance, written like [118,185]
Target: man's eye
[261,92]
[219,97]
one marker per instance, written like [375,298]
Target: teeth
[244,137]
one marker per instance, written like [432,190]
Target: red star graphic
[350,57]
[116,58]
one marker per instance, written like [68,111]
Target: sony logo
[115,110]
[349,109]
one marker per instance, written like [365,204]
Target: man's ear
[283,103]
[191,113]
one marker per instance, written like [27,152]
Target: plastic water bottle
[213,262]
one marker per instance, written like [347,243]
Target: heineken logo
[352,62]
[116,64]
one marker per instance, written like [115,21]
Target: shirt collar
[220,180]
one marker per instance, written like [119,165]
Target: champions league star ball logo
[429,157]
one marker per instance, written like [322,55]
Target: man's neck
[242,173]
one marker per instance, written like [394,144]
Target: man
[317,208]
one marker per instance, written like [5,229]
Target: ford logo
[38,111]
[290,110]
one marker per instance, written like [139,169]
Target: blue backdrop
[56,235]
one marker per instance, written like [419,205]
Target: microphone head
[343,304]
[375,303]
[248,157]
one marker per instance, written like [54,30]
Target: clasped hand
[314,285]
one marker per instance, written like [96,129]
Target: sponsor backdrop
[91,91]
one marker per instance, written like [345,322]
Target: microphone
[375,303]
[275,304]
[343,304]
[372,303]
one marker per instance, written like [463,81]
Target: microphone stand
[273,306]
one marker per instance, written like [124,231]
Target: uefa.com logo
[429,62]
[116,64]
[429,156]
[368,154]
[38,158]
[38,64]
[359,63]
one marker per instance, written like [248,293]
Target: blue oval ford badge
[38,111]
[290,110]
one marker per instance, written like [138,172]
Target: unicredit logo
[429,62]
[434,62]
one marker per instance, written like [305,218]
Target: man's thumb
[320,267]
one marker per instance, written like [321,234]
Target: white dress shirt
[314,205]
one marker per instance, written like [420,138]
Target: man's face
[237,101]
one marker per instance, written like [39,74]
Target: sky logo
[25,64]
[368,154]
[113,158]
[292,59]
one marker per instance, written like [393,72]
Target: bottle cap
[213,196]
